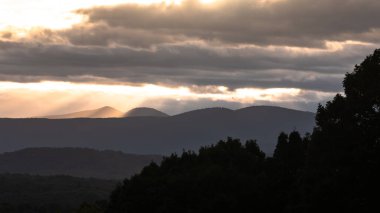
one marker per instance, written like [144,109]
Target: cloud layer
[303,23]
[184,64]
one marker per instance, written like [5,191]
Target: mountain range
[77,162]
[160,135]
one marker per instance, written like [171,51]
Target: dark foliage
[96,207]
[224,177]
[344,157]
[29,194]
[335,169]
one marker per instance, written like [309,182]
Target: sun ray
[58,94]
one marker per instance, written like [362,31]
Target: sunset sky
[63,56]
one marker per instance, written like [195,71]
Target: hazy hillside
[145,112]
[156,135]
[104,112]
[109,112]
[25,193]
[78,162]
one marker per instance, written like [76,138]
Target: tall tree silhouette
[281,151]
[344,153]
[348,127]
[290,150]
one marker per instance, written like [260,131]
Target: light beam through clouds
[62,97]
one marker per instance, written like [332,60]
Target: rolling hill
[145,112]
[78,162]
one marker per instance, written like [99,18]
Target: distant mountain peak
[145,112]
[103,112]
[268,109]
[206,111]
[106,108]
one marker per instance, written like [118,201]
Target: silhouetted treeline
[335,169]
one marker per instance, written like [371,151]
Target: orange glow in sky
[50,97]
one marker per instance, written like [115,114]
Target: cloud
[100,34]
[304,23]
[183,64]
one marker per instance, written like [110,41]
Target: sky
[63,56]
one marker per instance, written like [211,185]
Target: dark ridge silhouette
[32,194]
[263,110]
[156,135]
[79,162]
[204,114]
[145,112]
[104,112]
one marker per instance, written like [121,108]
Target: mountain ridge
[76,162]
[145,112]
[157,135]
[152,112]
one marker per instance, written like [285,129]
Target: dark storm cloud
[287,22]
